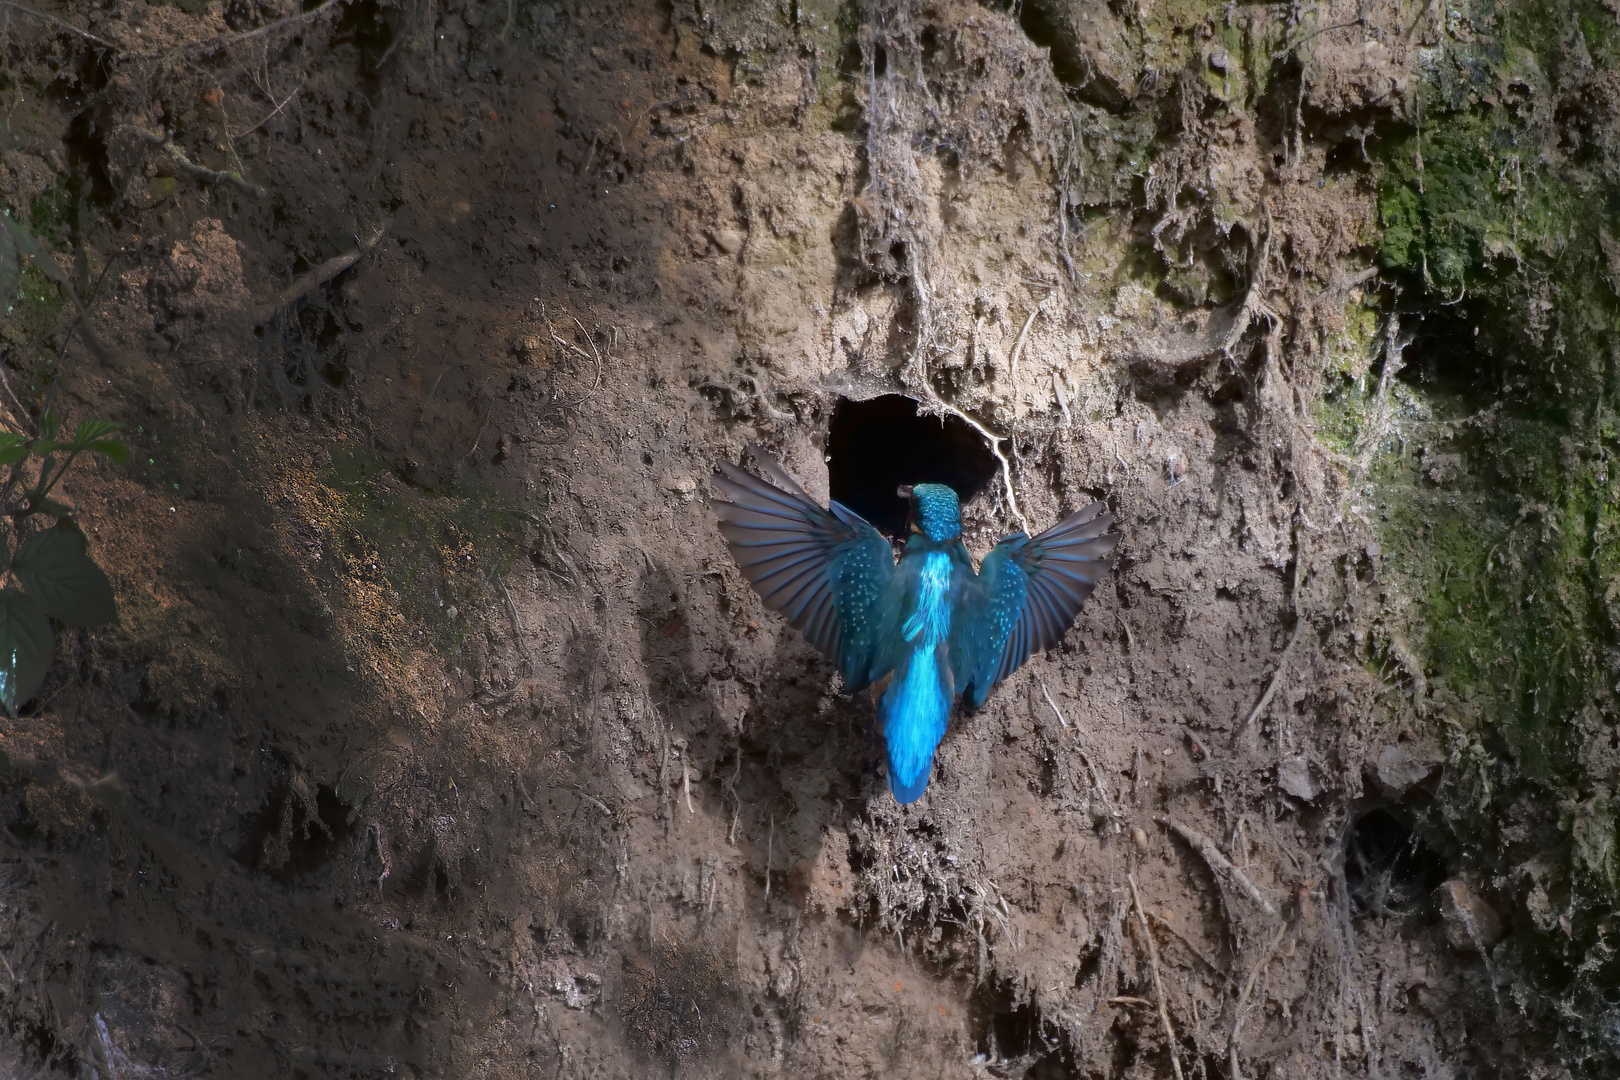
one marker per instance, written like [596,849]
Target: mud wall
[439,736]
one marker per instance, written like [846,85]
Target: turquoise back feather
[916,704]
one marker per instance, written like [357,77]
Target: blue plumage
[926,630]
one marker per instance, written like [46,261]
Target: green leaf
[27,647]
[53,567]
[48,446]
[113,449]
[89,431]
[13,447]
[49,424]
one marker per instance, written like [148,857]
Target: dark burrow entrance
[1388,869]
[874,446]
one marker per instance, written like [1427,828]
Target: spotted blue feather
[925,631]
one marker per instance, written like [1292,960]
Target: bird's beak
[904,491]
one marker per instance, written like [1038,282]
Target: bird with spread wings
[922,632]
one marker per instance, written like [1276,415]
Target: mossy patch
[1496,502]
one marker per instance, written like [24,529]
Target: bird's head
[935,511]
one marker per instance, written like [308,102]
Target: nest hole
[1006,1028]
[874,446]
[1388,869]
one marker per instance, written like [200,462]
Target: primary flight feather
[923,632]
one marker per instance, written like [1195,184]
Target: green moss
[1462,201]
[1502,581]
[1498,507]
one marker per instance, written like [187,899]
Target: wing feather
[1031,592]
[823,569]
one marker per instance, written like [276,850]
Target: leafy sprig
[50,574]
[45,572]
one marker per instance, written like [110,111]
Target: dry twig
[58,23]
[1158,980]
[166,143]
[1220,863]
[1018,346]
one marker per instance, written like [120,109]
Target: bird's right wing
[1027,594]
[826,571]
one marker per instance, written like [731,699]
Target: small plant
[48,571]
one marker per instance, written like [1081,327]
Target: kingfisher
[921,633]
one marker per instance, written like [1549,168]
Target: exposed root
[52,20]
[1220,863]
[770,856]
[1048,695]
[165,143]
[1096,778]
[1394,346]
[759,397]
[201,48]
[1018,346]
[308,283]
[519,633]
[1253,305]
[271,115]
[1288,649]
[992,441]
[1158,979]
[595,356]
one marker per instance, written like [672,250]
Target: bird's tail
[913,709]
[910,793]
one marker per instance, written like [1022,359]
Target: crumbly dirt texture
[448,740]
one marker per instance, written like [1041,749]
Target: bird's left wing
[826,571]
[1026,597]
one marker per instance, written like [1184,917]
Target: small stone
[1218,59]
[1402,767]
[1139,838]
[684,486]
[729,241]
[1472,925]
[576,991]
[1373,551]
[1294,777]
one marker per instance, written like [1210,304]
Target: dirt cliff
[446,740]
